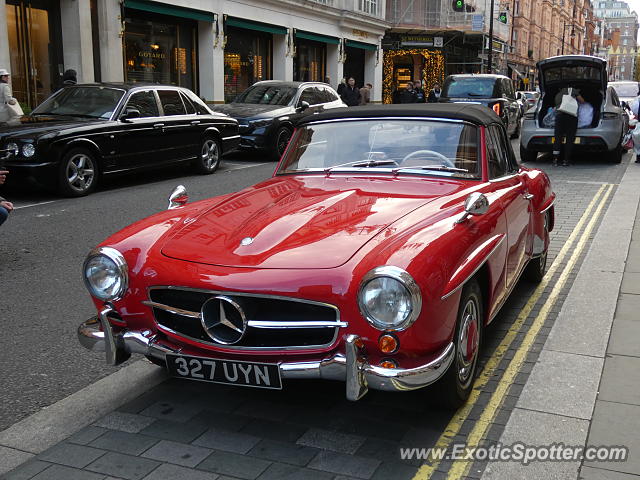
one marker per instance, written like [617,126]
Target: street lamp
[572,35]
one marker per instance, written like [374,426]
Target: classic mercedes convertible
[386,240]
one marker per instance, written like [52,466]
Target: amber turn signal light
[388,343]
[388,363]
[496,108]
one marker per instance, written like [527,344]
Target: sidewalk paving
[585,386]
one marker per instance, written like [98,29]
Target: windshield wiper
[362,163]
[439,168]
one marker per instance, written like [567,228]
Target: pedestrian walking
[408,95]
[5,206]
[351,94]
[420,95]
[365,94]
[69,77]
[434,93]
[566,101]
[7,113]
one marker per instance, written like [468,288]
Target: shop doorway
[354,66]
[35,42]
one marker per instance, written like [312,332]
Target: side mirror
[130,113]
[302,107]
[475,204]
[178,197]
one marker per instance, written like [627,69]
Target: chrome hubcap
[467,343]
[209,154]
[80,172]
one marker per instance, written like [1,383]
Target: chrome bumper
[350,367]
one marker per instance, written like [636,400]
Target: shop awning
[251,25]
[362,45]
[174,11]
[516,70]
[317,37]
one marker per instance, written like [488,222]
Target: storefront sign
[360,33]
[420,41]
[146,54]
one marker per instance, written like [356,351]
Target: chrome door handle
[528,196]
[158,125]
[195,122]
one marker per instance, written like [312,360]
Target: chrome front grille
[272,322]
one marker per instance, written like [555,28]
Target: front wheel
[537,267]
[454,387]
[282,137]
[77,173]
[209,159]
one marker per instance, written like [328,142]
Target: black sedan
[83,132]
[267,112]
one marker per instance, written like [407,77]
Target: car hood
[250,110]
[566,70]
[297,222]
[33,127]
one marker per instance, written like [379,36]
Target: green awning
[317,37]
[251,25]
[363,46]
[165,9]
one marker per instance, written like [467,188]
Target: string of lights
[432,72]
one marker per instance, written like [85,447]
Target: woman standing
[6,97]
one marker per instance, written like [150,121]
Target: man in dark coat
[408,95]
[434,94]
[350,94]
[420,96]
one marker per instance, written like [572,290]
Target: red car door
[510,190]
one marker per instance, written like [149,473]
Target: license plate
[247,374]
[564,140]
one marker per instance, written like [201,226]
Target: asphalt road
[42,295]
[43,301]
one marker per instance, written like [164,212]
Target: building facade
[215,47]
[619,30]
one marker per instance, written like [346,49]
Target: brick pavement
[307,431]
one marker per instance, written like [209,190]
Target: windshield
[267,95]
[476,87]
[400,146]
[90,102]
[626,89]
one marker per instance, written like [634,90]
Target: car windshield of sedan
[402,146]
[267,95]
[469,87]
[89,102]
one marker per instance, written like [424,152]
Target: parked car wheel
[455,386]
[537,267]
[516,132]
[210,154]
[527,155]
[77,173]
[615,155]
[282,137]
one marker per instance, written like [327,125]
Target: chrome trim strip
[504,177]
[231,137]
[176,310]
[475,270]
[352,119]
[351,367]
[549,206]
[292,324]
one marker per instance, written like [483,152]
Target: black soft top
[470,112]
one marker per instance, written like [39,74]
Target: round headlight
[28,150]
[13,148]
[106,274]
[389,298]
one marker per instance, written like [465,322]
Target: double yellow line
[460,468]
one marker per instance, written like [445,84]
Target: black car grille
[256,308]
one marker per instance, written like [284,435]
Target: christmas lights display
[432,72]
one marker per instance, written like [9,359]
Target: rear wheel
[615,155]
[454,387]
[537,267]
[527,155]
[77,173]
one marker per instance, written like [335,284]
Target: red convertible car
[386,240]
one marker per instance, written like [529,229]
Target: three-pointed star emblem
[223,320]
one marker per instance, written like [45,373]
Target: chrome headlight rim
[407,282]
[28,150]
[121,266]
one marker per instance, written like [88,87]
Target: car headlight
[28,150]
[389,298]
[260,123]
[13,148]
[106,274]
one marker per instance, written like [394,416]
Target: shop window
[310,62]
[171,102]
[145,102]
[247,60]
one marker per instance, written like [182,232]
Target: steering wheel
[424,153]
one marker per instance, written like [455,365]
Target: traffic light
[458,5]
[502,17]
